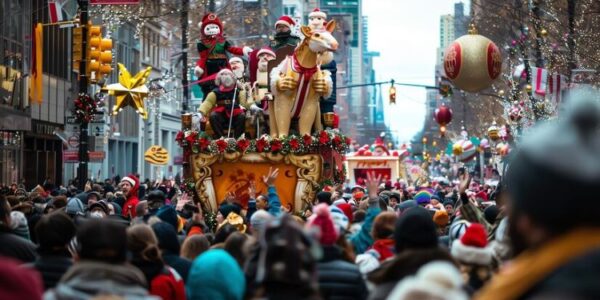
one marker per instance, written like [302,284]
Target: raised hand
[252,190]
[269,180]
[372,183]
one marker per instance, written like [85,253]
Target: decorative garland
[199,142]
[85,108]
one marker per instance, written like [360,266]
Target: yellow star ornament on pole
[130,91]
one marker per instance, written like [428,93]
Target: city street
[299,149]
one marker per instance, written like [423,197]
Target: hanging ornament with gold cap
[472,62]
[130,91]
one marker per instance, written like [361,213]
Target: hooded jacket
[87,279]
[339,279]
[169,246]
[132,198]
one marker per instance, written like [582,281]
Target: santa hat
[236,59]
[379,143]
[285,20]
[323,222]
[265,50]
[472,246]
[317,13]
[210,18]
[131,179]
[347,209]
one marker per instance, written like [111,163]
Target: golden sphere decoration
[543,32]
[457,149]
[501,93]
[472,62]
[528,88]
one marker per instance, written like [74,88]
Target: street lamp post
[83,86]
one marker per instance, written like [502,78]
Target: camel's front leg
[308,114]
[272,118]
[283,103]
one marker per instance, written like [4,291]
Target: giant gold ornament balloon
[472,62]
[157,155]
[130,91]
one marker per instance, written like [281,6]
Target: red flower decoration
[276,145]
[323,138]
[307,140]
[243,144]
[192,137]
[337,140]
[261,144]
[221,145]
[179,136]
[204,143]
[348,141]
[294,144]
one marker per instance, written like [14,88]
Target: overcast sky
[406,33]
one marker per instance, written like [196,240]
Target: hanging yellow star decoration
[130,91]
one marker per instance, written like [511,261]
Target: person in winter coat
[338,279]
[164,281]
[557,248]
[130,186]
[383,247]
[12,245]
[362,240]
[282,264]
[54,232]
[170,248]
[416,244]
[438,280]
[215,275]
[102,267]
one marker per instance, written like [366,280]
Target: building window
[151,42]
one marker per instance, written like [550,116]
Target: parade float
[303,144]
[376,159]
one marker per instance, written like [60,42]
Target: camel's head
[320,41]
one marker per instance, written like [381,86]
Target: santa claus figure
[260,88]
[283,34]
[221,106]
[238,68]
[213,48]
[379,148]
[317,19]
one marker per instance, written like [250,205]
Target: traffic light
[392,95]
[94,40]
[77,40]
[105,58]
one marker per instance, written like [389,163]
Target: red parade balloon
[443,115]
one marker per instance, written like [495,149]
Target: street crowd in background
[121,239]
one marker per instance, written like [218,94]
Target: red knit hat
[285,20]
[472,246]
[327,234]
[210,18]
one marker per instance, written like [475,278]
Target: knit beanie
[491,213]
[405,205]
[226,208]
[422,197]
[323,222]
[557,161]
[340,219]
[415,230]
[19,225]
[347,209]
[440,218]
[472,246]
[324,197]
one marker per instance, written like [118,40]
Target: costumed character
[213,48]
[298,83]
[379,148]
[283,34]
[316,21]
[262,98]
[222,108]
[239,69]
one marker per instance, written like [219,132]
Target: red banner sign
[96,156]
[70,156]
[114,2]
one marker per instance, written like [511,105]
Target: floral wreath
[85,108]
